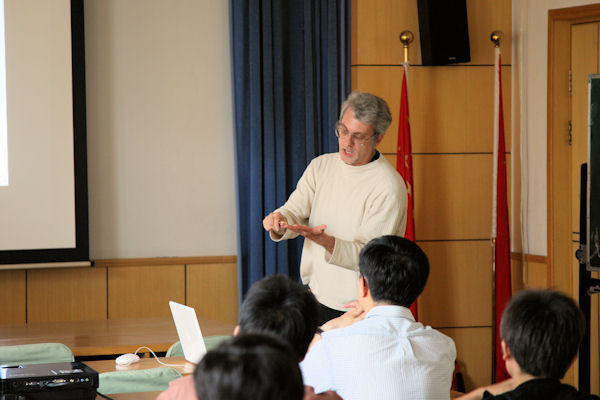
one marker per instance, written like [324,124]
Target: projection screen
[43,197]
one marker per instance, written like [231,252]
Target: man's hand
[352,304]
[346,319]
[309,394]
[316,234]
[495,389]
[275,222]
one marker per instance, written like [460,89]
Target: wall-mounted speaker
[444,32]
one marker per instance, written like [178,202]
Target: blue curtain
[290,72]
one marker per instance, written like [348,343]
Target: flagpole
[406,38]
[496,38]
[404,150]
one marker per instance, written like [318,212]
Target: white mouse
[127,359]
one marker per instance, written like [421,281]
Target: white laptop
[189,332]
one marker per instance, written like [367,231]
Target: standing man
[342,201]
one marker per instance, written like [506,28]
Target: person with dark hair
[275,305]
[378,351]
[541,331]
[343,200]
[249,367]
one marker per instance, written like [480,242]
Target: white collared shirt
[385,356]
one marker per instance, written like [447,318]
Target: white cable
[160,362]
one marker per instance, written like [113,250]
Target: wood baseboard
[136,262]
[529,258]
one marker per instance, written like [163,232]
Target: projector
[54,381]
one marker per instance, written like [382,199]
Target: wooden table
[149,362]
[132,396]
[106,337]
[184,367]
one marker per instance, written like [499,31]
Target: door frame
[558,152]
[560,252]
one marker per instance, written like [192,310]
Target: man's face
[356,140]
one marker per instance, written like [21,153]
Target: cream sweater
[357,203]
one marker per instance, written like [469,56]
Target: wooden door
[585,56]
[573,54]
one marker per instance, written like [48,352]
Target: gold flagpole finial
[406,37]
[496,37]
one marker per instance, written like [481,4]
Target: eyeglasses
[341,131]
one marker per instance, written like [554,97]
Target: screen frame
[79,253]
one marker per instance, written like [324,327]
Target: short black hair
[395,268]
[543,330]
[249,367]
[282,307]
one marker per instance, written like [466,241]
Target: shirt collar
[391,311]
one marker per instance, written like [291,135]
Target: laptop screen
[189,332]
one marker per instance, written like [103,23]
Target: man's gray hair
[368,109]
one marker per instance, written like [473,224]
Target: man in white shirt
[342,201]
[378,351]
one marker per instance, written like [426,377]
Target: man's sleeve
[385,215]
[316,368]
[180,388]
[297,208]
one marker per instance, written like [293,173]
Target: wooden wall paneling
[162,261]
[459,288]
[485,17]
[513,132]
[537,275]
[66,294]
[474,354]
[534,271]
[559,153]
[212,289]
[585,51]
[13,292]
[376,27]
[517,272]
[453,196]
[144,291]
[451,108]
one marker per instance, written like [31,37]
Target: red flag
[500,229]
[404,163]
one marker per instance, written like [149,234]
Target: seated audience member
[386,355]
[274,305]
[249,367]
[541,331]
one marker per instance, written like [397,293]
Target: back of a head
[279,306]
[396,269]
[249,367]
[543,330]
[368,109]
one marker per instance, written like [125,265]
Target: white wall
[530,17]
[160,130]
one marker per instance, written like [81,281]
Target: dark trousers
[326,313]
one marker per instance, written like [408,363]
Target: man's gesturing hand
[316,234]
[275,222]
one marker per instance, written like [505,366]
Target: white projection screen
[43,208]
